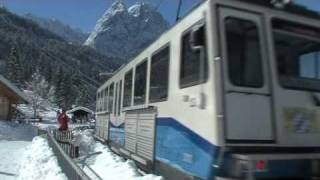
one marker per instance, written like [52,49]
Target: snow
[47,113]
[11,156]
[24,159]
[108,165]
[135,10]
[112,167]
[85,141]
[14,138]
[39,162]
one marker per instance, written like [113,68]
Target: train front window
[244,53]
[297,50]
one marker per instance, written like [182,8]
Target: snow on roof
[80,108]
[13,88]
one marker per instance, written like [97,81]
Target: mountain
[65,31]
[123,32]
[72,70]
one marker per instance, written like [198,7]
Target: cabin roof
[12,90]
[80,108]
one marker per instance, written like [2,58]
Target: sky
[83,14]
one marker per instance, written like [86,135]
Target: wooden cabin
[80,114]
[10,96]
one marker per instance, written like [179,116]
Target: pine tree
[65,90]
[14,68]
[59,78]
[83,98]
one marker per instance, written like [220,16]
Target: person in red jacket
[63,120]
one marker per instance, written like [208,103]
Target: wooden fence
[65,140]
[61,144]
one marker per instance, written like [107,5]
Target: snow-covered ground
[21,158]
[14,138]
[11,156]
[40,163]
[108,165]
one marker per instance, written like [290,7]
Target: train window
[190,72]
[111,95]
[116,100]
[127,90]
[105,99]
[309,65]
[119,98]
[98,101]
[244,53]
[102,100]
[140,83]
[159,75]
[297,49]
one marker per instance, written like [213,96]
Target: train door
[247,94]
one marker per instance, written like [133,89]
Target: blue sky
[83,14]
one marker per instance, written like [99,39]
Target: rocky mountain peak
[117,7]
[123,32]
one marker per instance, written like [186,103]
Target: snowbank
[39,163]
[110,166]
[85,140]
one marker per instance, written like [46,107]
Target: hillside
[68,33]
[73,70]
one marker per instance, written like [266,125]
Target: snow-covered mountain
[123,32]
[65,31]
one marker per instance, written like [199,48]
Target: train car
[230,92]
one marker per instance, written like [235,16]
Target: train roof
[290,8]
[131,59]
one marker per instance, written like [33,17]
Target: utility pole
[178,11]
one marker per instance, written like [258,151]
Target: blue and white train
[230,92]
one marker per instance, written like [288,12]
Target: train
[231,91]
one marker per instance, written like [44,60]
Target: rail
[67,164]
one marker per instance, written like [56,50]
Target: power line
[178,11]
